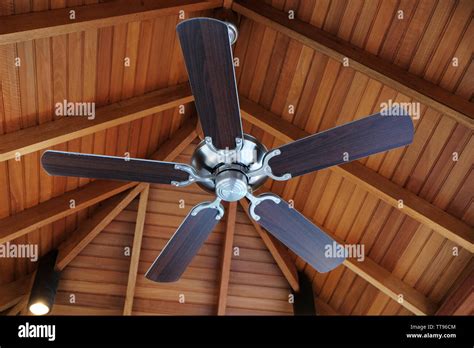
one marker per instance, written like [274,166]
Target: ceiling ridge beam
[31,139]
[136,249]
[414,206]
[226,258]
[389,74]
[35,25]
[278,251]
[91,227]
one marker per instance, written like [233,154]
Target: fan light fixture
[45,285]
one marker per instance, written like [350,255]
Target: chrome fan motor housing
[229,168]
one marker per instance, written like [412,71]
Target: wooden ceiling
[283,64]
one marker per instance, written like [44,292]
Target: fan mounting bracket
[254,201]
[194,176]
[265,169]
[216,204]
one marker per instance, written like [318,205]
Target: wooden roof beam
[92,226]
[226,258]
[68,128]
[389,74]
[395,288]
[417,208]
[35,25]
[31,219]
[136,249]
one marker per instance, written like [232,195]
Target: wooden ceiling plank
[91,227]
[35,25]
[136,248]
[322,308]
[417,208]
[180,139]
[390,74]
[65,129]
[19,307]
[226,258]
[278,251]
[59,207]
[460,299]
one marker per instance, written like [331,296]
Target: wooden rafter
[65,129]
[278,251]
[415,207]
[390,74]
[226,258]
[30,219]
[136,248]
[390,285]
[91,227]
[35,25]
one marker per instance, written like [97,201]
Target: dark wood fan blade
[361,138]
[299,234]
[208,56]
[108,167]
[183,246]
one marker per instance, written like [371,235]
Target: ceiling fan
[232,164]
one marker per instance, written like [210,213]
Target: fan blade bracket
[297,232]
[225,154]
[216,204]
[255,201]
[194,176]
[265,169]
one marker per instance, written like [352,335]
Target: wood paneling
[332,94]
[60,21]
[276,71]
